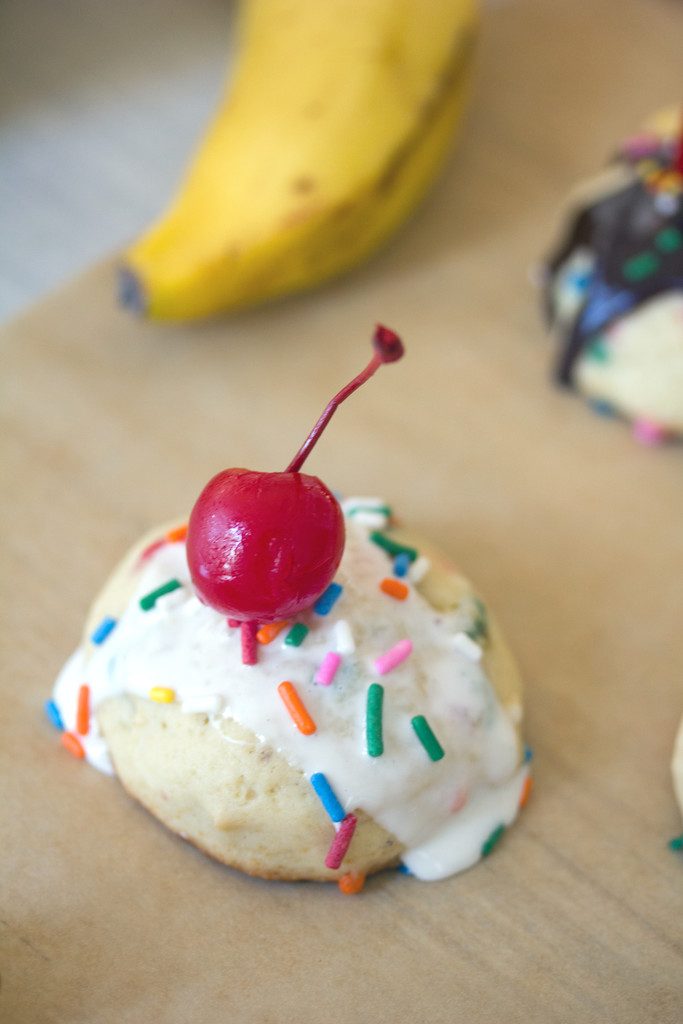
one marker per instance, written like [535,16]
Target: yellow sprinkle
[162,694]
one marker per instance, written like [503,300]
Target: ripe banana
[338,118]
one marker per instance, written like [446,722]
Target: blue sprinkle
[403,869]
[103,630]
[579,279]
[328,797]
[602,407]
[401,564]
[528,755]
[52,712]
[604,304]
[328,599]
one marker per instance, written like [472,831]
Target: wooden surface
[571,530]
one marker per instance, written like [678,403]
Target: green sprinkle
[669,239]
[479,630]
[373,720]
[492,840]
[149,600]
[676,843]
[383,509]
[598,351]
[426,737]
[392,547]
[296,635]
[640,266]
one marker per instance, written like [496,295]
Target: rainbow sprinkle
[162,694]
[341,842]
[401,564]
[296,708]
[351,883]
[177,534]
[248,631]
[149,600]
[525,793]
[83,710]
[328,668]
[328,797]
[424,733]
[676,843]
[492,840]
[419,569]
[105,627]
[267,633]
[328,599]
[649,433]
[72,743]
[393,657]
[343,638]
[53,715]
[373,720]
[391,546]
[296,635]
[394,588]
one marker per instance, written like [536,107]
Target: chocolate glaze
[619,226]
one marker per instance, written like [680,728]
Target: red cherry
[262,547]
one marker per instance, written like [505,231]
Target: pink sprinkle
[641,145]
[234,623]
[248,637]
[328,668]
[459,800]
[151,548]
[341,842]
[393,657]
[649,433]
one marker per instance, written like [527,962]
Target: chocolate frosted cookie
[614,284]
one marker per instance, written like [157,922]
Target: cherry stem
[388,348]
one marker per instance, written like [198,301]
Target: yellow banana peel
[337,120]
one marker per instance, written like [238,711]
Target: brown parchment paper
[573,532]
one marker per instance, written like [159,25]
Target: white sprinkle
[349,504]
[343,638]
[201,702]
[374,520]
[467,646]
[369,512]
[419,569]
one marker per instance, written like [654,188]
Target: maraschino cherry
[262,547]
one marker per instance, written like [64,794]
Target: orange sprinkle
[526,791]
[394,588]
[83,710]
[351,883]
[297,710]
[176,534]
[72,744]
[266,634]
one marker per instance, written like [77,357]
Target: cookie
[414,698]
[614,284]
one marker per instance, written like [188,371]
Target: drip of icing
[186,646]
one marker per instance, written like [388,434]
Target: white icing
[188,647]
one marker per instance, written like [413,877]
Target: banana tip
[131,292]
